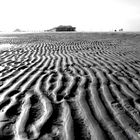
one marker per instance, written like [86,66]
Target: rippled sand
[70,86]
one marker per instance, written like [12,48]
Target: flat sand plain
[70,86]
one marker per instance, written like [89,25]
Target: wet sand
[70,86]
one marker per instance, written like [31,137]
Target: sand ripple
[70,87]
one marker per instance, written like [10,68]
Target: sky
[85,15]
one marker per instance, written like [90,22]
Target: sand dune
[70,86]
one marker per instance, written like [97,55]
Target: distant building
[62,28]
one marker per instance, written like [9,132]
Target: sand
[70,86]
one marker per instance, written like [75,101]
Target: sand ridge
[70,86]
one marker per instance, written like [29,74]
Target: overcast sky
[85,15]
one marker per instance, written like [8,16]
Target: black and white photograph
[69,69]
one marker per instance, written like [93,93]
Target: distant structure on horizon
[17,30]
[120,30]
[62,28]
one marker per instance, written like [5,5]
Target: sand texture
[70,86]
